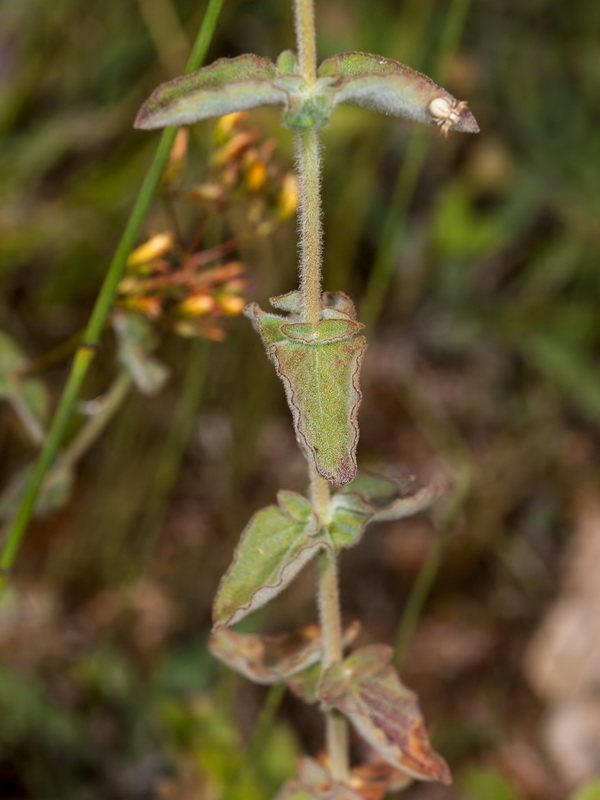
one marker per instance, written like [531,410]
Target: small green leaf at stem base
[367,690]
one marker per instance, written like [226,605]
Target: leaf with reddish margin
[272,659]
[384,85]
[366,782]
[366,688]
[374,780]
[319,366]
[227,85]
[314,781]
[275,545]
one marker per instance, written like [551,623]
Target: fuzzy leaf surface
[27,396]
[272,659]
[135,345]
[306,683]
[319,367]
[349,518]
[366,688]
[272,549]
[389,87]
[227,85]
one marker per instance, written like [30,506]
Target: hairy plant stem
[336,727]
[308,161]
[304,18]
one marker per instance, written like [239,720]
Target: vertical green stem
[85,354]
[336,727]
[304,17]
[310,230]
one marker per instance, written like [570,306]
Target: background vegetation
[474,262]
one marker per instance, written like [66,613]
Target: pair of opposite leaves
[318,365]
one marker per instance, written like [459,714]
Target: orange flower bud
[231,304]
[155,247]
[227,124]
[207,192]
[150,306]
[256,176]
[288,199]
[197,305]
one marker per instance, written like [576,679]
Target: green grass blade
[85,353]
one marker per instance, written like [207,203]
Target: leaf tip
[450,114]
[141,121]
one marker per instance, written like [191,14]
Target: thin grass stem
[85,354]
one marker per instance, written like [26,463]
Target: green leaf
[377,490]
[272,550]
[27,396]
[479,784]
[135,343]
[230,84]
[248,81]
[319,367]
[389,87]
[368,691]
[273,659]
[589,792]
[306,683]
[349,517]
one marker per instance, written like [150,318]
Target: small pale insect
[446,112]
